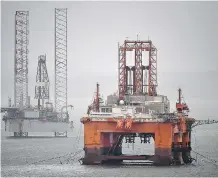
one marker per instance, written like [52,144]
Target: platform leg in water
[92,155]
[163,157]
[186,144]
[60,134]
[20,134]
[163,147]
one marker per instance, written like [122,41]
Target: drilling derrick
[42,81]
[21,59]
[61,61]
[139,85]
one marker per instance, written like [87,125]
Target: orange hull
[102,140]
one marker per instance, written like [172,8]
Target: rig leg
[60,134]
[178,149]
[110,145]
[180,158]
[187,157]
[186,147]
[20,127]
[92,156]
[163,146]
[26,134]
[163,157]
[20,134]
[15,134]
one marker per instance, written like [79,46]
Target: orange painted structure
[103,140]
[128,118]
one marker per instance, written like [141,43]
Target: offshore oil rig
[138,111]
[22,118]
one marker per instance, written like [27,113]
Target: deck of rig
[137,111]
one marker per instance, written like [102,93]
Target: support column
[60,134]
[163,156]
[93,154]
[110,145]
[20,134]
[92,145]
[186,148]
[177,150]
[163,145]
[106,142]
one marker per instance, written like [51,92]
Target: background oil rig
[21,117]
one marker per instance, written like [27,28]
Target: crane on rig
[182,107]
[97,101]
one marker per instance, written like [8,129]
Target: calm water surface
[18,156]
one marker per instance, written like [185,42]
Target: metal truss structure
[138,86]
[42,81]
[21,59]
[60,59]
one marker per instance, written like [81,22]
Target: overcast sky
[185,34]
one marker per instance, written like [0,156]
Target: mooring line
[76,144]
[58,157]
[68,154]
[209,159]
[196,152]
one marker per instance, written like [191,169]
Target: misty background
[185,34]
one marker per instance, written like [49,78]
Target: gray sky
[185,34]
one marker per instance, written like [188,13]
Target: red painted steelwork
[138,68]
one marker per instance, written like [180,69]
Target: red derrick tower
[134,78]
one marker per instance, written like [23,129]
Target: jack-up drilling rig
[22,117]
[137,111]
[43,117]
